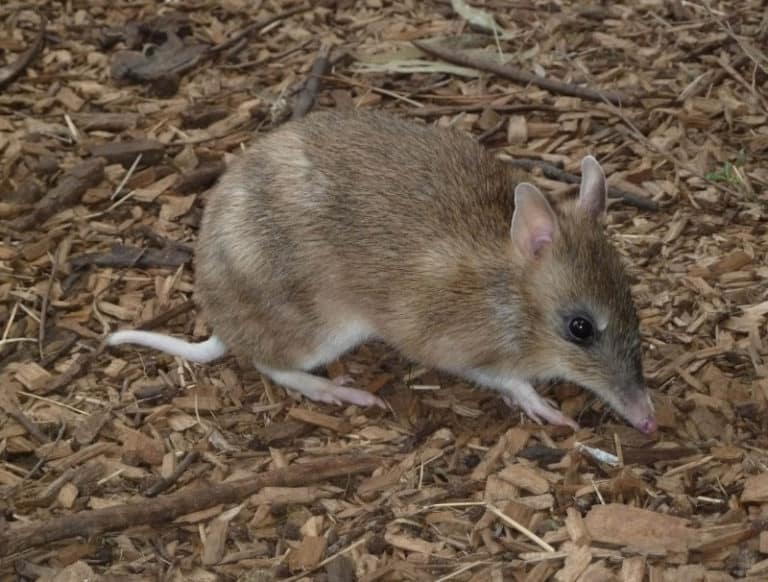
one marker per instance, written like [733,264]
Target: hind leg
[332,344]
[320,389]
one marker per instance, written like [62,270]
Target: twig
[715,78]
[305,100]
[126,256]
[161,241]
[553,172]
[68,191]
[188,305]
[12,407]
[437,110]
[51,358]
[731,70]
[268,59]
[78,366]
[9,73]
[256,26]
[44,306]
[44,458]
[523,77]
[522,529]
[40,462]
[461,569]
[341,78]
[163,484]
[489,133]
[127,177]
[165,509]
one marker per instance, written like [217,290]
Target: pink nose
[647,425]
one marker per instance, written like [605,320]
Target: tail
[211,349]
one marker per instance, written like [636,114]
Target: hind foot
[323,390]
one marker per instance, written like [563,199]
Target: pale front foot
[322,390]
[537,408]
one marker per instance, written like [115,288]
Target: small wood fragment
[67,192]
[167,316]
[763,542]
[333,423]
[102,121]
[199,179]
[576,527]
[89,427]
[633,569]
[10,404]
[277,434]
[575,563]
[525,478]
[126,152]
[164,483]
[624,525]
[308,554]
[541,572]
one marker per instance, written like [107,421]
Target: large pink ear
[593,192]
[533,222]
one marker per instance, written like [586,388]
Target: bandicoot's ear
[533,222]
[593,193]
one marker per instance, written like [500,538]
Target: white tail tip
[207,351]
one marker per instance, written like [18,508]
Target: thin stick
[8,325]
[44,306]
[553,172]
[163,484]
[341,78]
[52,401]
[44,458]
[619,449]
[305,100]
[329,559]
[163,510]
[127,177]
[523,77]
[519,527]
[52,357]
[188,305]
[488,133]
[14,411]
[462,569]
[256,26]
[9,73]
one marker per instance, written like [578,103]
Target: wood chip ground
[115,119]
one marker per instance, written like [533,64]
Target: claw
[537,408]
[343,380]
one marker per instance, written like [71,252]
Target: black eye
[581,330]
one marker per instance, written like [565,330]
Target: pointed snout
[647,425]
[640,413]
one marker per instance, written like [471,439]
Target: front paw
[539,410]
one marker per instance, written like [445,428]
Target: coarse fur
[346,226]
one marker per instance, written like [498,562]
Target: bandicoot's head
[584,326]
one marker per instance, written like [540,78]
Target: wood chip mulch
[116,117]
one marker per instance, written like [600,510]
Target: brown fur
[405,227]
